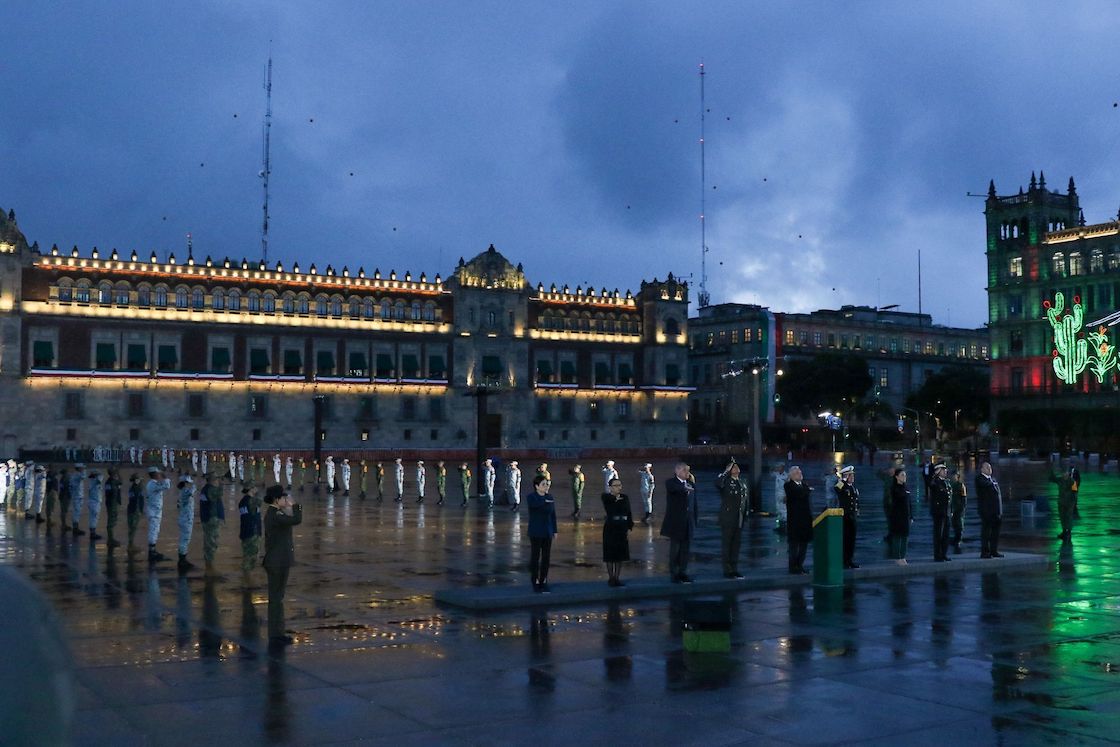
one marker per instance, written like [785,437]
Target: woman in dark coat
[542,527]
[900,516]
[799,517]
[617,525]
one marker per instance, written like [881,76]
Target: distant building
[114,349]
[902,350]
[1037,246]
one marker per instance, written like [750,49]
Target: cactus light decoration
[1071,354]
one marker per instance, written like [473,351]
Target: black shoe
[619,582]
[537,588]
[852,565]
[39,519]
[281,640]
[676,580]
[78,532]
[154,556]
[737,576]
[112,543]
[439,502]
[28,515]
[946,558]
[514,507]
[997,555]
[420,499]
[575,515]
[93,536]
[793,571]
[685,578]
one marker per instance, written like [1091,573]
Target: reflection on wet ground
[1012,658]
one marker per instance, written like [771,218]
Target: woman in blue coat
[542,526]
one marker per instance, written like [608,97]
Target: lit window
[1058,265]
[1016,268]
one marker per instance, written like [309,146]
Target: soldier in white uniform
[153,508]
[40,493]
[609,473]
[3,483]
[232,466]
[171,457]
[163,456]
[276,467]
[194,460]
[421,480]
[288,471]
[186,520]
[330,474]
[345,476]
[398,469]
[77,497]
[202,462]
[513,484]
[241,467]
[488,478]
[28,496]
[647,487]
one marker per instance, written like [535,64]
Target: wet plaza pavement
[1016,657]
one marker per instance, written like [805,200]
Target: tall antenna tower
[704,299]
[266,169]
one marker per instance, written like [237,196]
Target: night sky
[842,138]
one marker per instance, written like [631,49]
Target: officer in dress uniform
[609,473]
[645,474]
[276,467]
[363,478]
[421,480]
[288,468]
[186,520]
[345,477]
[488,482]
[960,502]
[379,474]
[734,504]
[940,509]
[514,485]
[465,482]
[847,497]
[330,474]
[579,479]
[398,476]
[153,507]
[77,497]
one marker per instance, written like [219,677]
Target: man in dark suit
[681,515]
[989,504]
[282,513]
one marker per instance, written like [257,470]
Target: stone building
[902,349]
[220,354]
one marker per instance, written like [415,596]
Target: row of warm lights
[605,297]
[1111,228]
[260,271]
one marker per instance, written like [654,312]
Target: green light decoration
[1074,353]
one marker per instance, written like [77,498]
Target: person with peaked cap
[276,463]
[241,467]
[156,486]
[421,480]
[330,474]
[799,518]
[847,498]
[194,460]
[940,510]
[957,506]
[77,497]
[379,476]
[112,506]
[609,473]
[186,520]
[281,514]
[441,482]
[363,478]
[579,480]
[398,476]
[734,498]
[28,494]
[989,504]
[465,482]
[488,478]
[231,464]
[93,501]
[203,462]
[301,472]
[288,468]
[133,510]
[647,486]
[345,477]
[211,514]
[514,485]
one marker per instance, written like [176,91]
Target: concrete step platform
[514,597]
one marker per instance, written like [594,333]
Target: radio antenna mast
[266,169]
[704,298]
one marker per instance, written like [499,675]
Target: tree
[831,381]
[957,395]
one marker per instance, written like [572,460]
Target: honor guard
[202,462]
[194,460]
[940,509]
[153,507]
[379,475]
[330,474]
[77,497]
[421,480]
[465,481]
[241,467]
[645,474]
[112,506]
[579,479]
[441,482]
[134,510]
[609,473]
[93,500]
[276,468]
[288,467]
[186,520]
[398,476]
[346,477]
[488,482]
[514,485]
[363,478]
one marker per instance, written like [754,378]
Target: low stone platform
[515,597]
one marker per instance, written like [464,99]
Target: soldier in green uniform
[441,482]
[363,478]
[1067,500]
[734,502]
[112,506]
[465,481]
[300,471]
[578,481]
[960,501]
[211,512]
[380,475]
[940,509]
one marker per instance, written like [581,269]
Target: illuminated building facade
[1037,247]
[220,354]
[902,349]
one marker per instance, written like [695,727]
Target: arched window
[336,306]
[398,310]
[1058,265]
[253,301]
[416,311]
[161,296]
[321,303]
[367,308]
[386,308]
[198,299]
[144,295]
[672,327]
[268,303]
[120,294]
[218,299]
[355,307]
[429,312]
[65,289]
[235,300]
[81,292]
[1076,266]
[289,303]
[182,297]
[303,304]
[105,293]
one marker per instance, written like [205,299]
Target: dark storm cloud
[841,138]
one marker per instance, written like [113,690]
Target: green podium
[828,548]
